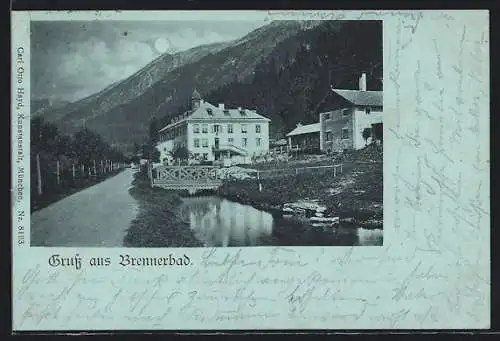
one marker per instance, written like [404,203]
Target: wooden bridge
[191,178]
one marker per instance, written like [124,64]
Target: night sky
[74,59]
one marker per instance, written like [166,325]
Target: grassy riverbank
[355,195]
[68,188]
[158,223]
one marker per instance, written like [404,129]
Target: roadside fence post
[38,174]
[58,175]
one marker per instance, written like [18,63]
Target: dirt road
[95,217]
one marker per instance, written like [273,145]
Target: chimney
[239,108]
[221,106]
[362,82]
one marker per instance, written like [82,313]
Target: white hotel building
[210,133]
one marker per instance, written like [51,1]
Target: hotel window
[257,141]
[216,128]
[196,156]
[210,112]
[226,112]
[257,128]
[345,112]
[244,142]
[204,143]
[230,128]
[196,143]
[368,110]
[196,128]
[327,116]
[204,129]
[328,135]
[205,156]
[243,112]
[244,128]
[345,133]
[230,140]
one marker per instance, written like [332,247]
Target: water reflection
[220,222]
[370,237]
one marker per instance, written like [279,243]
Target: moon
[161,45]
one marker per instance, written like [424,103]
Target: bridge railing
[184,175]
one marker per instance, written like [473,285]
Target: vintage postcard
[223,170]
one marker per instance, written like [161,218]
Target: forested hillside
[291,88]
[284,70]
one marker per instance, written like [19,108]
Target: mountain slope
[121,112]
[121,92]
[283,69]
[296,89]
[41,105]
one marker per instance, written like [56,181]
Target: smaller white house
[304,137]
[342,128]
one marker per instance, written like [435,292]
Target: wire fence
[54,176]
[328,170]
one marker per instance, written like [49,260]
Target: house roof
[218,113]
[202,113]
[305,129]
[362,98]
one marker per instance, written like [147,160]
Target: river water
[220,222]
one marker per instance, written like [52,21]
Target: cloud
[71,60]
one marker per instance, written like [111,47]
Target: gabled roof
[202,113]
[305,129]
[217,113]
[361,98]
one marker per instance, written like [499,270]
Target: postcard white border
[418,279]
